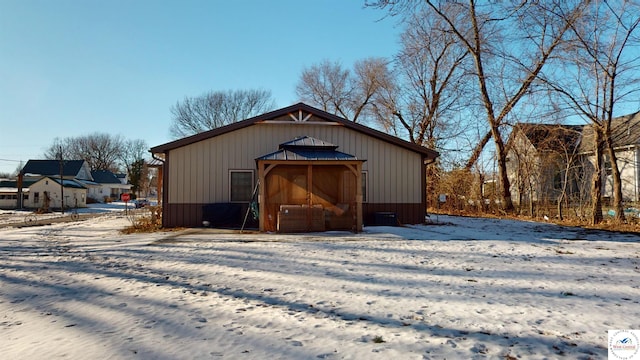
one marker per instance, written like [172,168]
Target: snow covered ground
[465,288]
[21,216]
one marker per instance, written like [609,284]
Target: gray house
[546,159]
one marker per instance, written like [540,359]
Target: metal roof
[308,142]
[308,155]
[308,148]
[52,167]
[104,177]
[69,183]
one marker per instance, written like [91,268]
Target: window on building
[36,197]
[364,186]
[241,185]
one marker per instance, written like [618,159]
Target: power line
[11,160]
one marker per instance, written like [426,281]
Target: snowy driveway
[466,288]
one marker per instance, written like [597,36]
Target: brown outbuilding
[299,168]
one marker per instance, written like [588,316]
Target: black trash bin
[385,218]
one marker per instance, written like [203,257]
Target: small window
[241,185]
[364,186]
[36,198]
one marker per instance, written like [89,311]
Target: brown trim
[182,215]
[428,153]
[191,215]
[165,189]
[423,181]
[405,213]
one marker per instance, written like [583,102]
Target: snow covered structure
[287,162]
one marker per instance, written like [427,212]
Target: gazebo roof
[307,148]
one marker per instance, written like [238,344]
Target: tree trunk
[501,155]
[560,199]
[477,151]
[596,184]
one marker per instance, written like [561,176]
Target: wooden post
[261,205]
[61,182]
[19,204]
[309,197]
[359,197]
[159,184]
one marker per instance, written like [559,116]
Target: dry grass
[146,220]
[608,224]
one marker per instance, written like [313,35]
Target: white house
[108,185]
[48,192]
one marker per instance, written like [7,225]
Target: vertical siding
[199,173]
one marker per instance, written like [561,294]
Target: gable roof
[104,177]
[52,167]
[291,112]
[551,137]
[67,183]
[14,183]
[625,131]
[307,148]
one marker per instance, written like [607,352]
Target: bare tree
[217,108]
[427,92]
[132,158]
[509,44]
[598,73]
[100,150]
[342,92]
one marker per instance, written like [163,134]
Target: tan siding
[199,173]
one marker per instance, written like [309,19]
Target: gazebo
[307,186]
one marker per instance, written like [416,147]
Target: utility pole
[61,179]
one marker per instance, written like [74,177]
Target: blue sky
[74,67]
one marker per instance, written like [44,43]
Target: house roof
[69,183]
[290,110]
[308,148]
[14,183]
[625,131]
[52,167]
[105,177]
[551,137]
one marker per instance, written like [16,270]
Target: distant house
[50,183]
[625,134]
[109,186]
[43,192]
[546,159]
[304,170]
[49,189]
[9,193]
[539,156]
